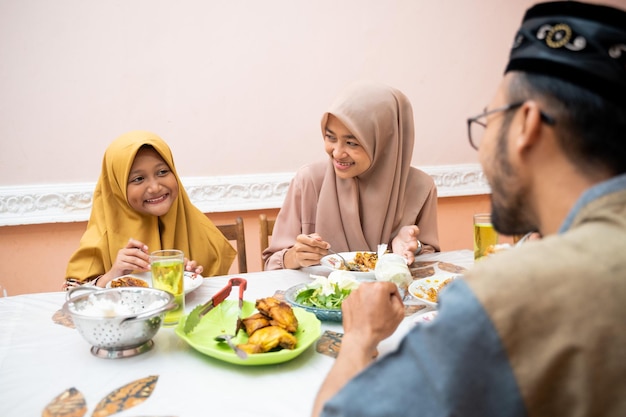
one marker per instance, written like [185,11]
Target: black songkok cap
[582,43]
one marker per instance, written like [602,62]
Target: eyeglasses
[476,126]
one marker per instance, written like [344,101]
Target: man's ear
[529,126]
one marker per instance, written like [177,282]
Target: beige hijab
[361,212]
[113,221]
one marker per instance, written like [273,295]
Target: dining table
[42,359]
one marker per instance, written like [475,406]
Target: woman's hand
[192,266]
[308,250]
[405,243]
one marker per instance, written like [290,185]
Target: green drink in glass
[485,236]
[167,275]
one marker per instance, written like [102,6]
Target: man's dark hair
[591,130]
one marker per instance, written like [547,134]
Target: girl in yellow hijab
[139,207]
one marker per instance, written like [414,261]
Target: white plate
[190,283]
[333,262]
[418,287]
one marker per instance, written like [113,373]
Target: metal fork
[227,338]
[345,263]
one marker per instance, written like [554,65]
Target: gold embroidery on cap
[615,51]
[559,36]
[517,41]
[578,44]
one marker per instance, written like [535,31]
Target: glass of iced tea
[167,275]
[485,236]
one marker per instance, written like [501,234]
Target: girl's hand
[192,266]
[71,283]
[405,243]
[308,250]
[133,257]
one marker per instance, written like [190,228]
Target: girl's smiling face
[348,155]
[152,187]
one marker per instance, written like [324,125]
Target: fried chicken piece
[269,338]
[249,348]
[265,304]
[280,313]
[255,322]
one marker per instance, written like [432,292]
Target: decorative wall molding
[62,203]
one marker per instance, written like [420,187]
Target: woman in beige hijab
[366,193]
[140,206]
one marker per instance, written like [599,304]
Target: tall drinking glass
[485,236]
[167,275]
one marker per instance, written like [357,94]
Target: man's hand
[371,313]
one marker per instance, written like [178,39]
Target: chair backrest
[266,227]
[235,231]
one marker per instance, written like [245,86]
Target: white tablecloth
[39,359]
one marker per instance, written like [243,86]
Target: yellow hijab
[113,221]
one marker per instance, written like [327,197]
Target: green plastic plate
[222,320]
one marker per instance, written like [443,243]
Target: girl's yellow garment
[113,221]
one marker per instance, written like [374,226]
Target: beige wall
[233,84]
[34,257]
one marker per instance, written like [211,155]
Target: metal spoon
[227,338]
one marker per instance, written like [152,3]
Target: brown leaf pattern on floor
[329,343]
[422,264]
[423,272]
[448,267]
[64,319]
[430,268]
[70,403]
[126,397]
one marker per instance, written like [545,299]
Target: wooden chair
[235,231]
[266,227]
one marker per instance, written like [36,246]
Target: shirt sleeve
[452,366]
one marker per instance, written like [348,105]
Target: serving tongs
[200,311]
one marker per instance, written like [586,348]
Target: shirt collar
[599,190]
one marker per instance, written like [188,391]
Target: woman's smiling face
[348,155]
[152,187]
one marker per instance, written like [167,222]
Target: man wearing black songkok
[537,330]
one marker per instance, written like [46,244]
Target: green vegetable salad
[328,293]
